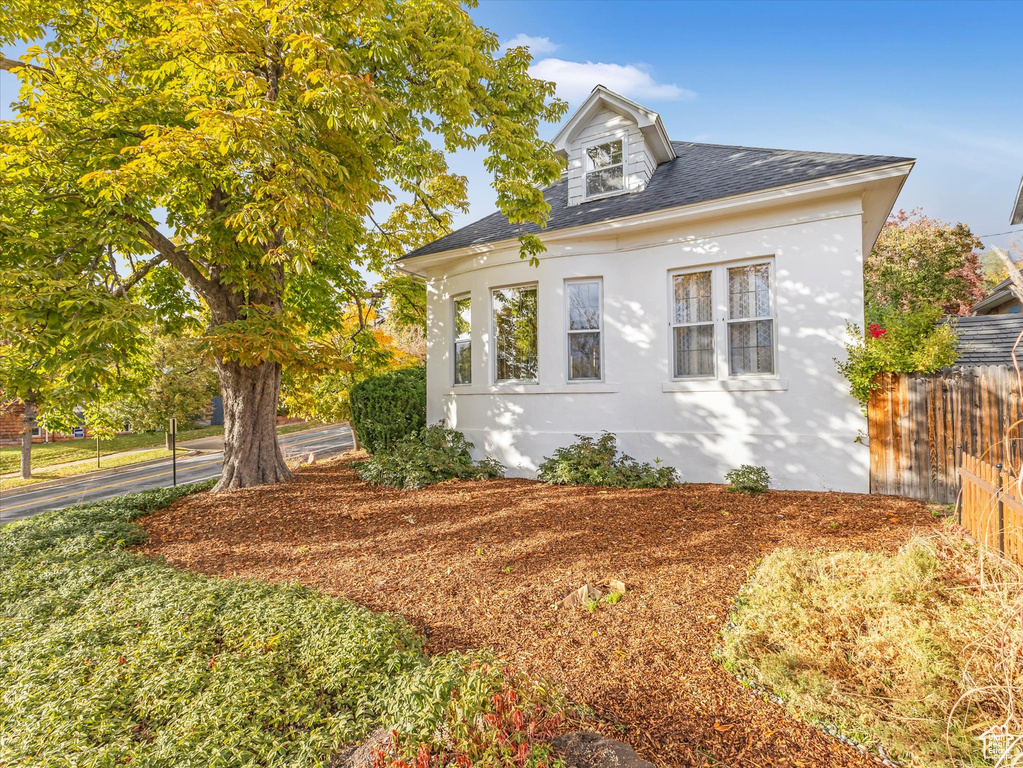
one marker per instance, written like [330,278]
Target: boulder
[591,750]
[361,755]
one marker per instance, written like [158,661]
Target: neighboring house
[1017,209]
[692,300]
[988,339]
[1001,301]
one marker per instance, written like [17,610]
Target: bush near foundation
[389,407]
[591,461]
[434,455]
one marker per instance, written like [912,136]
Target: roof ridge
[782,149]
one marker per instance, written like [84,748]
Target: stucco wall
[801,425]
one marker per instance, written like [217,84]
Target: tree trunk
[28,423]
[252,455]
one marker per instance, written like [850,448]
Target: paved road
[25,502]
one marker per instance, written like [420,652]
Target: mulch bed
[477,565]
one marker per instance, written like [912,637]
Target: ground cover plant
[110,658]
[916,652]
[431,456]
[481,564]
[590,461]
[389,407]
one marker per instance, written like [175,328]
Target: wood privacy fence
[991,506]
[919,424]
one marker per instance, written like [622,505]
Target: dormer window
[606,169]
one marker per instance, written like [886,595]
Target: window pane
[694,351]
[692,298]
[606,180]
[515,331]
[749,291]
[584,355]
[583,306]
[751,347]
[463,362]
[603,155]
[463,318]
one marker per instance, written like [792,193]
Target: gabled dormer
[612,146]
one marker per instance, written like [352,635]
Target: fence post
[1001,510]
[959,482]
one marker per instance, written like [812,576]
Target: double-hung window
[463,340]
[515,333]
[722,319]
[693,324]
[583,303]
[750,320]
[605,171]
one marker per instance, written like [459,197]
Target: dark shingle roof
[988,339]
[699,173]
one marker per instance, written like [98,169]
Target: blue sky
[940,82]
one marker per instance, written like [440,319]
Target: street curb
[99,473]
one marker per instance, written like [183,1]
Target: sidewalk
[107,456]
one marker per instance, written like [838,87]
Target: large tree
[251,145]
[922,262]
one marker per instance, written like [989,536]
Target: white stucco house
[691,300]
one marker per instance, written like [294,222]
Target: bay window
[583,304]
[515,333]
[462,352]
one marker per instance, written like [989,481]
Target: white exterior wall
[800,424]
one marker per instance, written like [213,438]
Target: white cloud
[536,45]
[575,80]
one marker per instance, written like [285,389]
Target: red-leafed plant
[497,719]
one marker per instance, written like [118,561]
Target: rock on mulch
[483,565]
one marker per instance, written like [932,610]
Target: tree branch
[9,65]
[176,257]
[139,273]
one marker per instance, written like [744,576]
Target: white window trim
[493,337]
[599,281]
[455,339]
[587,169]
[672,325]
[721,321]
[773,317]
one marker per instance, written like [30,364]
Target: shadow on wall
[805,435]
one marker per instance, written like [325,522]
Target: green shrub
[748,479]
[110,658]
[899,342]
[432,456]
[597,462]
[389,407]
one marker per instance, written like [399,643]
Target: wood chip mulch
[480,565]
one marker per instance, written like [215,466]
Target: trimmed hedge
[389,407]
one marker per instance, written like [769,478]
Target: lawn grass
[108,658]
[74,470]
[64,451]
[913,654]
[46,455]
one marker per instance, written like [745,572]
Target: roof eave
[694,210]
[1017,211]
